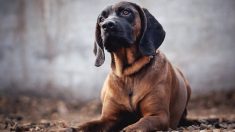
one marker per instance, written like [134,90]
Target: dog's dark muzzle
[116,34]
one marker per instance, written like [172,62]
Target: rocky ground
[214,112]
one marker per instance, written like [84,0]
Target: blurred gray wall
[46,45]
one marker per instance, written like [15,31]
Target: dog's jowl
[143,91]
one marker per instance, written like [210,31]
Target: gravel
[209,113]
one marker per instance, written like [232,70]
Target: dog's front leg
[109,121]
[155,111]
[101,125]
[149,124]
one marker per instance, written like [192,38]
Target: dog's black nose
[109,25]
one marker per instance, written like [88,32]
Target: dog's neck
[127,61]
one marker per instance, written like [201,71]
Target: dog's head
[123,25]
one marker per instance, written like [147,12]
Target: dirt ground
[214,112]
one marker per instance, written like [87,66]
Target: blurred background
[46,45]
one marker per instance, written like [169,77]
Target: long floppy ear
[152,34]
[98,47]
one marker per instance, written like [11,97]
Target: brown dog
[144,91]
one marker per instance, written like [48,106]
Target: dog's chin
[113,43]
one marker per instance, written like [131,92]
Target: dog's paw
[90,127]
[134,128]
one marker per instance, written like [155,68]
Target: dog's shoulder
[160,60]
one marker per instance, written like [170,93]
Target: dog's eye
[102,19]
[125,12]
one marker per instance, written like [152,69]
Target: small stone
[203,121]
[62,124]
[196,127]
[204,130]
[203,126]
[190,128]
[216,130]
[223,125]
[37,128]
[45,123]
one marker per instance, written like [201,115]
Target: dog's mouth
[114,40]
[112,33]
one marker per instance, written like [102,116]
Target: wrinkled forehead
[123,5]
[119,7]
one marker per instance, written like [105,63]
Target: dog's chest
[128,92]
